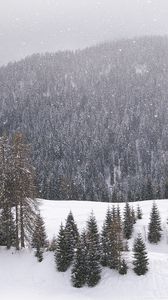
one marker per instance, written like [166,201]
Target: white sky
[28,26]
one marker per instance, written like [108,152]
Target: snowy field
[22,277]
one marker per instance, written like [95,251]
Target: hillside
[21,276]
[97,119]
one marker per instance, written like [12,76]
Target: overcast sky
[29,26]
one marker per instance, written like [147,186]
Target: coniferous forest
[96,119]
[85,252]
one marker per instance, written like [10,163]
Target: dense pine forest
[96,119]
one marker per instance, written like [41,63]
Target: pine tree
[154,233]
[140,261]
[93,252]
[139,212]
[72,237]
[128,223]
[61,257]
[123,268]
[105,238]
[39,239]
[79,268]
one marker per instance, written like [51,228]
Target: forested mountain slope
[97,119]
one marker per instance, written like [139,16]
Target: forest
[96,119]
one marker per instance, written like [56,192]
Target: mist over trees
[97,119]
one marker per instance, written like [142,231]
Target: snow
[141,69]
[22,277]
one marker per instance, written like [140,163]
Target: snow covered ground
[22,277]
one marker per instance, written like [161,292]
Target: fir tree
[105,238]
[128,223]
[79,268]
[123,268]
[93,253]
[39,239]
[61,257]
[140,261]
[72,237]
[154,233]
[139,212]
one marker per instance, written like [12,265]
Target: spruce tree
[128,223]
[115,245]
[140,261]
[39,239]
[61,256]
[105,238]
[72,237]
[79,268]
[123,268]
[139,212]
[93,253]
[154,233]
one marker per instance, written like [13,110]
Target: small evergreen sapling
[123,268]
[154,234]
[140,261]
